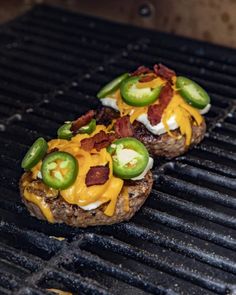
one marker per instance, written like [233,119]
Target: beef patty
[162,145]
[75,216]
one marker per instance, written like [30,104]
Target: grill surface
[183,240]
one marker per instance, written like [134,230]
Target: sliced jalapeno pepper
[64,131]
[89,128]
[130,157]
[112,86]
[192,93]
[138,97]
[59,170]
[34,154]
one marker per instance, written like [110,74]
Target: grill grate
[183,240]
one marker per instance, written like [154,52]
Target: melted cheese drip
[183,116]
[38,201]
[79,193]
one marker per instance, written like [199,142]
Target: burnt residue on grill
[183,240]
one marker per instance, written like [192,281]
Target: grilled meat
[73,215]
[158,145]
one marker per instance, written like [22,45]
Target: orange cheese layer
[132,111]
[183,112]
[79,193]
[183,116]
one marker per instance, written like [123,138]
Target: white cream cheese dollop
[145,171]
[156,129]
[109,102]
[91,206]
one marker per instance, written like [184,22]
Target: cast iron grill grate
[183,240]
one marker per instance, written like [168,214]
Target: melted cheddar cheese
[78,193]
[39,201]
[183,112]
[183,116]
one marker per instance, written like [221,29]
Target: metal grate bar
[140,232]
[219,152]
[210,165]
[192,208]
[86,259]
[187,171]
[157,262]
[189,228]
[9,254]
[186,188]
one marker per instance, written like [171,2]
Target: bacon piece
[82,121]
[164,72]
[141,70]
[105,143]
[147,78]
[97,175]
[155,111]
[98,141]
[123,127]
[87,144]
[166,94]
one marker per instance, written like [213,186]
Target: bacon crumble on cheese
[79,193]
[174,112]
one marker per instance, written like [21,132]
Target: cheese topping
[87,198]
[78,193]
[183,116]
[178,113]
[39,201]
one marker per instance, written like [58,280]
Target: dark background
[210,20]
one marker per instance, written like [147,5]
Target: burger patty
[74,215]
[162,145]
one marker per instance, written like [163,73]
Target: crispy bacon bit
[105,116]
[147,78]
[82,121]
[140,71]
[98,141]
[97,175]
[155,111]
[164,72]
[87,144]
[123,127]
[105,143]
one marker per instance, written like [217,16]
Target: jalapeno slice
[192,92]
[59,170]
[112,86]
[34,154]
[130,157]
[64,131]
[89,128]
[138,97]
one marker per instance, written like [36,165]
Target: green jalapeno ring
[138,97]
[192,92]
[89,128]
[112,86]
[64,131]
[59,170]
[34,154]
[136,166]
